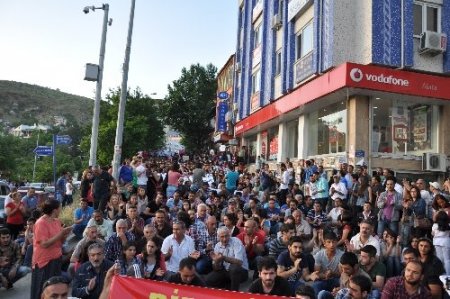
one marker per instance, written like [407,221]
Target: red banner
[128,287]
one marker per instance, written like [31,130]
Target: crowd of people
[209,221]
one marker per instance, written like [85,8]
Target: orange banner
[128,287]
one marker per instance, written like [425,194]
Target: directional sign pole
[54,160]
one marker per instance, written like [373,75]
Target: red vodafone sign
[397,81]
[355,76]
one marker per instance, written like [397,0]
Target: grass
[66,215]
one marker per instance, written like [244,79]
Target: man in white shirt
[284,181]
[177,246]
[141,173]
[337,189]
[230,264]
[363,238]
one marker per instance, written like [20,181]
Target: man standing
[269,283]
[231,179]
[101,186]
[321,194]
[284,182]
[89,278]
[177,246]
[230,265]
[30,201]
[408,285]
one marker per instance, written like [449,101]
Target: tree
[190,106]
[143,129]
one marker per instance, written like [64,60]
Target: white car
[4,191]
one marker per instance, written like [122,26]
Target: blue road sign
[223,95]
[359,154]
[43,150]
[63,139]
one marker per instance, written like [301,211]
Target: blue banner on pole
[222,110]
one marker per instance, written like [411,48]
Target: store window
[271,149]
[427,17]
[256,81]
[278,63]
[257,37]
[328,130]
[403,127]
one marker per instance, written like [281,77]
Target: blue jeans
[78,230]
[28,256]
[382,224]
[393,266]
[204,265]
[325,295]
[326,285]
[171,190]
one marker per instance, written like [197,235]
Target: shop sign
[254,102]
[222,109]
[273,148]
[304,68]
[359,154]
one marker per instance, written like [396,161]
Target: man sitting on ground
[186,274]
[269,283]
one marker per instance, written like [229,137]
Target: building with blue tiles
[345,81]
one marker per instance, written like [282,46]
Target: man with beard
[359,287]
[407,286]
[104,226]
[88,280]
[292,264]
[269,283]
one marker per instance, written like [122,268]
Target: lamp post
[123,99]
[99,79]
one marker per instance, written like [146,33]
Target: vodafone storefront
[357,114]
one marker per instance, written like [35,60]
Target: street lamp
[123,98]
[98,76]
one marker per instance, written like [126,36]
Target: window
[256,81]
[280,9]
[328,130]
[304,41]
[278,63]
[258,37]
[401,126]
[427,17]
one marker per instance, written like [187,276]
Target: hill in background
[22,103]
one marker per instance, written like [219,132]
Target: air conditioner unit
[434,162]
[276,22]
[432,43]
[237,67]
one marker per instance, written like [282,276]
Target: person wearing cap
[232,207]
[81,217]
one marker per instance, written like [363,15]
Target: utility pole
[123,99]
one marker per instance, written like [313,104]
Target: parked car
[38,186]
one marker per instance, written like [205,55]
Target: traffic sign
[63,139]
[223,95]
[43,150]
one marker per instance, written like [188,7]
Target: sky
[49,42]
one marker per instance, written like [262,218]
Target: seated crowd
[352,236]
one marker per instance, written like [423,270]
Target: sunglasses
[55,280]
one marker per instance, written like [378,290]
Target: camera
[86,9]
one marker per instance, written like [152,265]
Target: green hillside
[22,103]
